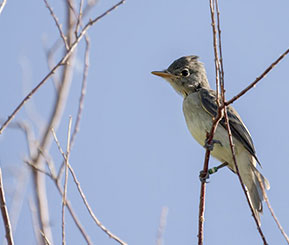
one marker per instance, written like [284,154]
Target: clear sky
[133,154]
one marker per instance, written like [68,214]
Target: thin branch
[64,38]
[66,180]
[210,137]
[79,17]
[46,240]
[35,222]
[253,84]
[60,63]
[83,90]
[221,67]
[96,220]
[2,5]
[272,211]
[217,65]
[239,176]
[221,71]
[73,215]
[162,226]
[69,207]
[5,214]
[37,169]
[81,100]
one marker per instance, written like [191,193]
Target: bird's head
[185,74]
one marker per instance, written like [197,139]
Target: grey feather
[239,130]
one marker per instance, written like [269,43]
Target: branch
[5,214]
[60,63]
[96,220]
[83,90]
[64,38]
[210,136]
[253,84]
[239,176]
[221,71]
[272,211]
[162,225]
[2,5]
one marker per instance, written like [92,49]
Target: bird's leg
[215,169]
[204,176]
[210,146]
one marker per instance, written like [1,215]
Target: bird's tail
[251,178]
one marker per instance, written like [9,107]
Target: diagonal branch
[89,209]
[2,5]
[253,84]
[60,63]
[272,211]
[221,71]
[5,214]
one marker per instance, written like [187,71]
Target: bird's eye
[185,73]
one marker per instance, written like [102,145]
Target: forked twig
[5,214]
[60,63]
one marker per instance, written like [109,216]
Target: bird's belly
[199,122]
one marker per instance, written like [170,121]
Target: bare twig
[221,72]
[81,100]
[60,63]
[73,215]
[64,38]
[5,214]
[46,240]
[253,84]
[35,168]
[272,211]
[35,222]
[221,68]
[65,180]
[217,65]
[210,137]
[2,5]
[79,17]
[83,90]
[162,226]
[239,176]
[96,220]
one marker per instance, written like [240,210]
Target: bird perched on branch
[188,77]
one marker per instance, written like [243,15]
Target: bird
[187,75]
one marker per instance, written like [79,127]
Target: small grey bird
[188,77]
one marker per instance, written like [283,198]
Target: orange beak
[163,74]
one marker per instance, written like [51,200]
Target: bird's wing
[238,128]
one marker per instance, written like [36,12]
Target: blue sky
[133,154]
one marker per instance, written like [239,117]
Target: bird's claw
[204,176]
[210,146]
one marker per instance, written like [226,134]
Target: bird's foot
[204,176]
[210,146]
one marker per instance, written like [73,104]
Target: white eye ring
[185,72]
